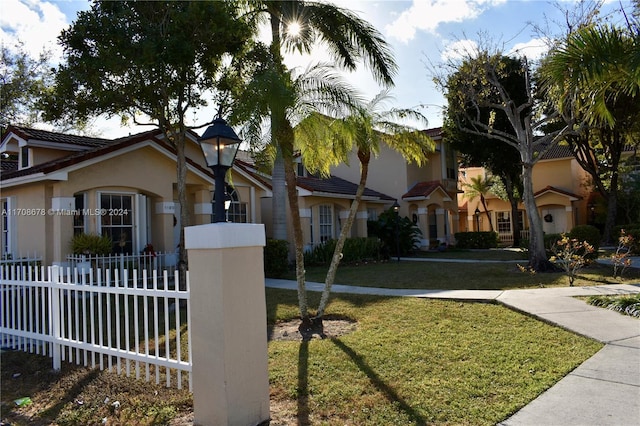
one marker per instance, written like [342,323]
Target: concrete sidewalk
[604,390]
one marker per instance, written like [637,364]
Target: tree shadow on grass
[303,384]
[391,395]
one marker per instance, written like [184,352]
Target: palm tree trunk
[337,253]
[286,141]
[486,211]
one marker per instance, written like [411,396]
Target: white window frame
[139,220]
[7,228]
[325,222]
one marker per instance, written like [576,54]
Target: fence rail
[111,324]
[151,261]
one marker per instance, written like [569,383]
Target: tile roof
[337,186]
[557,152]
[79,156]
[43,135]
[423,189]
[557,190]
[436,132]
[8,165]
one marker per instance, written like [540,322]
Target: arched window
[237,211]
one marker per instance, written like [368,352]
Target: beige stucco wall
[142,170]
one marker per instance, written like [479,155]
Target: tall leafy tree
[296,26]
[150,62]
[593,76]
[364,130]
[23,81]
[478,82]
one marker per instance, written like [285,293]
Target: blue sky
[422,33]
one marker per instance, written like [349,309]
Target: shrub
[571,255]
[620,258]
[476,240]
[589,234]
[386,228]
[276,258]
[354,250]
[633,231]
[91,244]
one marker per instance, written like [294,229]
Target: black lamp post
[477,213]
[219,144]
[592,209]
[396,210]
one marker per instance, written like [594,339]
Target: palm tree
[349,40]
[365,130]
[480,187]
[593,77]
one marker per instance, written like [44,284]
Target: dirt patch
[329,329]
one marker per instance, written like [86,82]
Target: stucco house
[54,185]
[427,194]
[562,191]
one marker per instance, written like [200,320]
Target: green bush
[590,234]
[91,244]
[354,250]
[396,233]
[476,240]
[276,258]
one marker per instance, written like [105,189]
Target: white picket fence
[112,323]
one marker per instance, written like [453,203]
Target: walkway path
[604,390]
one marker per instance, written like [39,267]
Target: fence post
[54,312]
[228,324]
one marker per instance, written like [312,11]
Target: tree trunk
[279,193]
[486,211]
[278,202]
[337,253]
[286,140]
[537,253]
[181,168]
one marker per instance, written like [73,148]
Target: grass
[415,361]
[410,361]
[457,276]
[626,305]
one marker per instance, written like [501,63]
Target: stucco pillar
[228,324]
[571,223]
[441,226]
[61,212]
[423,224]
[361,223]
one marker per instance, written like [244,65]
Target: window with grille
[325,222]
[503,220]
[117,221]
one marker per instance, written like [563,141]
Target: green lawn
[457,276]
[415,361]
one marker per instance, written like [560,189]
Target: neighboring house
[324,205]
[562,192]
[62,184]
[427,194]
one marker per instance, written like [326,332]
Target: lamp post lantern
[396,210]
[219,144]
[477,213]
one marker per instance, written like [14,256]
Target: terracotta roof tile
[43,135]
[423,189]
[558,190]
[338,186]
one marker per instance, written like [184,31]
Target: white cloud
[35,23]
[459,50]
[533,49]
[426,15]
